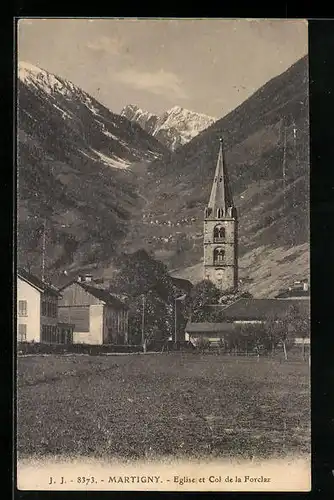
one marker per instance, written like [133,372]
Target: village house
[37,311]
[99,317]
[299,290]
[211,332]
[245,311]
[250,310]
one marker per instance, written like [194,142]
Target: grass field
[136,406]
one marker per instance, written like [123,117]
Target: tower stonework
[221,231]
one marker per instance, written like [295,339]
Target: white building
[37,309]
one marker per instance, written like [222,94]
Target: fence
[24,348]
[163,345]
[39,348]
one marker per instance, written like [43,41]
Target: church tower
[221,231]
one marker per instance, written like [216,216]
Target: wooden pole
[43,250]
[303,349]
[143,324]
[127,327]
[175,323]
[284,165]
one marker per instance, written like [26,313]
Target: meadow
[178,404]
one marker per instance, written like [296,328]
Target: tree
[299,325]
[158,318]
[139,274]
[251,336]
[233,295]
[202,294]
[201,343]
[279,331]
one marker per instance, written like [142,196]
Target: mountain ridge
[273,214]
[173,128]
[73,159]
[93,207]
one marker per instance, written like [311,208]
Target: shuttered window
[22,332]
[23,308]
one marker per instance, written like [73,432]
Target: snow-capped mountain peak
[26,69]
[45,81]
[99,135]
[145,119]
[175,109]
[174,127]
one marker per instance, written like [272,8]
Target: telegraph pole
[295,149]
[175,323]
[143,324]
[43,250]
[294,129]
[284,165]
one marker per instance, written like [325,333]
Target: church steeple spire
[221,196]
[221,231]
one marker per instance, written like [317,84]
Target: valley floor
[162,405]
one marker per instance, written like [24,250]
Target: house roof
[37,283]
[260,309]
[182,283]
[209,327]
[293,293]
[103,295]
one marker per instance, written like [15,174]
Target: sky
[205,65]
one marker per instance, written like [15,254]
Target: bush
[201,343]
[251,337]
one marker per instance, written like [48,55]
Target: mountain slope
[268,130]
[175,127]
[73,159]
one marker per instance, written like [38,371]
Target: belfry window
[218,233]
[219,213]
[218,256]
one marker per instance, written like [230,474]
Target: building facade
[98,316]
[299,290]
[244,312]
[214,333]
[37,309]
[221,231]
[259,311]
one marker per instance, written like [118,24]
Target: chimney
[85,278]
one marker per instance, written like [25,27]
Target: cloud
[112,46]
[159,82]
